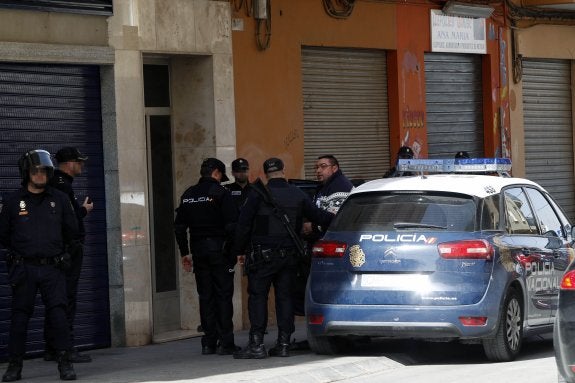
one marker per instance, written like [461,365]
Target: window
[490,213]
[549,223]
[520,218]
[374,211]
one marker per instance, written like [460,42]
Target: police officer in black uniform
[461,154]
[208,212]
[404,153]
[273,256]
[37,224]
[70,164]
[240,188]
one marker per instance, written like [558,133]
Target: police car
[457,255]
[564,330]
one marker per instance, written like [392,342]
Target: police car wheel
[324,345]
[506,344]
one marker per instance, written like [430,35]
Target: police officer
[37,223]
[239,189]
[404,153]
[70,164]
[208,212]
[461,154]
[273,259]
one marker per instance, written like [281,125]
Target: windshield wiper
[414,225]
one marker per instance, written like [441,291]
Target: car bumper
[401,321]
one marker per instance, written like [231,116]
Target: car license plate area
[395,281]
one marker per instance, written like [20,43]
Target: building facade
[148,88]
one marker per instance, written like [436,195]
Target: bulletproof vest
[267,222]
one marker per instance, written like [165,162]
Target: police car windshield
[406,210]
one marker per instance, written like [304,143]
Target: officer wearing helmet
[404,153]
[37,224]
[207,213]
[461,154]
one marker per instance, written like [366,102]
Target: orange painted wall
[268,94]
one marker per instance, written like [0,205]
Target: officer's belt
[279,252]
[39,261]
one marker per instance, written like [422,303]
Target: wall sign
[457,34]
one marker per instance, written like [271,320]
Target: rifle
[264,192]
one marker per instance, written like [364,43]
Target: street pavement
[181,361]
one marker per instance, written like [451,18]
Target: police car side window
[490,213]
[519,216]
[548,221]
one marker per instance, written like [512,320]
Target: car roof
[470,184]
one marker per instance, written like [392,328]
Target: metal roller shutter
[50,106]
[548,124]
[454,104]
[345,110]
[94,7]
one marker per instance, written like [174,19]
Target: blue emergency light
[457,165]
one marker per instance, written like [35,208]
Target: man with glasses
[332,191]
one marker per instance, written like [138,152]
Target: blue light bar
[457,165]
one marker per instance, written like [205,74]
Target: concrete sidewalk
[181,361]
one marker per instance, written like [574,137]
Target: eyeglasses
[322,166]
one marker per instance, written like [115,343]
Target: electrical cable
[263,40]
[239,4]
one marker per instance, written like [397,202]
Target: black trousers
[279,271]
[72,280]
[51,283]
[215,286]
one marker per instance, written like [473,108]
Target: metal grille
[47,107]
[94,7]
[346,110]
[454,104]
[548,124]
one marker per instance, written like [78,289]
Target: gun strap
[280,213]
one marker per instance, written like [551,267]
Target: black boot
[76,357]
[14,371]
[65,366]
[282,345]
[254,350]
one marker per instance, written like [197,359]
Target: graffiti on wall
[412,123]
[502,120]
[291,137]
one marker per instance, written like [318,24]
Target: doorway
[165,284]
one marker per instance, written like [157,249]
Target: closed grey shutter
[345,110]
[94,7]
[548,124]
[47,107]
[454,104]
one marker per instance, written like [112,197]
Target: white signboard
[457,34]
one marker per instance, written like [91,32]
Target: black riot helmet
[462,154]
[405,152]
[33,159]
